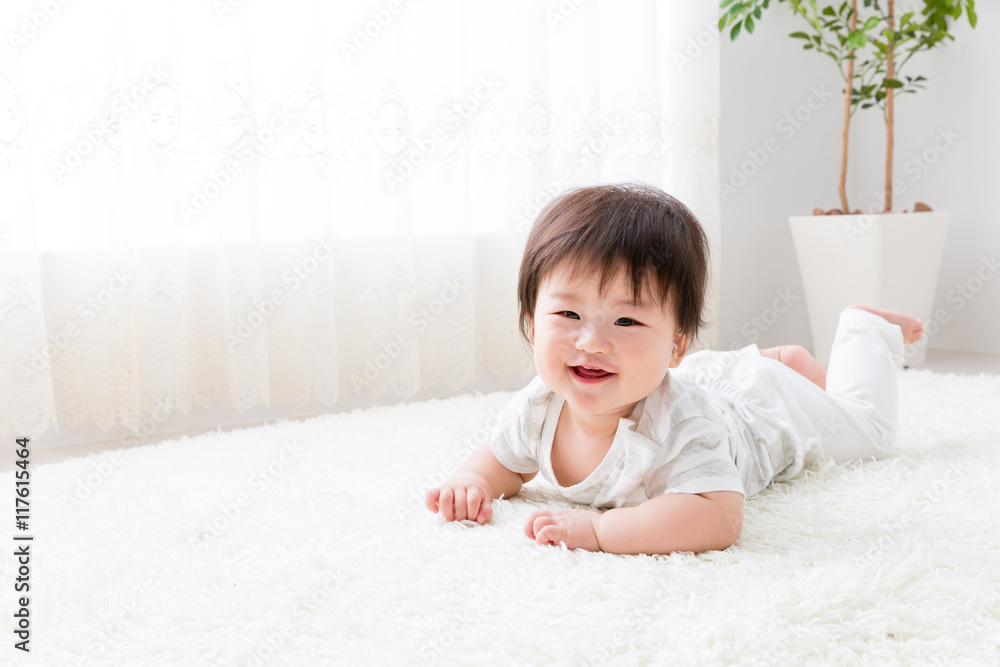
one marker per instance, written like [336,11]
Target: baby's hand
[460,500]
[577,528]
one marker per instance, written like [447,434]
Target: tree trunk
[889,72]
[847,116]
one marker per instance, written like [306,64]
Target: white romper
[725,421]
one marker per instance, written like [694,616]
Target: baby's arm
[468,493]
[666,523]
[673,522]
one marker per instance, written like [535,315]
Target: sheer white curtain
[212,210]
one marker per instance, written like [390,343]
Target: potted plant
[875,256]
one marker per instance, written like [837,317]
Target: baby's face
[629,347]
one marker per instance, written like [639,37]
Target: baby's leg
[864,361]
[799,360]
[912,327]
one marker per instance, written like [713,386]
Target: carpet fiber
[303,543]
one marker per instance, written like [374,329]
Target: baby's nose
[592,340]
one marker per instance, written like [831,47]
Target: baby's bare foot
[912,327]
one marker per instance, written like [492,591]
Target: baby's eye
[626,321]
[570,314]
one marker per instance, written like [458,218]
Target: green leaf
[892,83]
[829,11]
[799,35]
[870,23]
[726,3]
[756,13]
[735,31]
[749,24]
[807,47]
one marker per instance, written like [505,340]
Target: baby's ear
[680,349]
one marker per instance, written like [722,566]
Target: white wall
[765,78]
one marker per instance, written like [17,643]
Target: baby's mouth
[590,373]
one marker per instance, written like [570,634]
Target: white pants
[795,421]
[866,356]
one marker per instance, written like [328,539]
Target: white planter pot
[888,261]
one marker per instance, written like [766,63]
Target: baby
[611,290]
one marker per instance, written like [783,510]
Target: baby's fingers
[478,505]
[461,504]
[536,522]
[431,500]
[485,511]
[551,534]
[446,503]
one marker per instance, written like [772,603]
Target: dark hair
[630,227]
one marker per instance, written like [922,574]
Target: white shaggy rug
[306,543]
